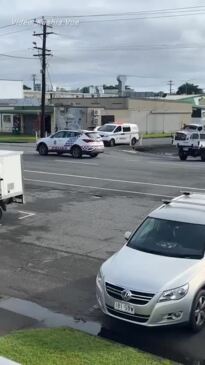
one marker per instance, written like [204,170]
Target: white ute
[190,141]
[11,179]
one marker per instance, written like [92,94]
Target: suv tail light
[88,140]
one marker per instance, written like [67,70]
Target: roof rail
[166,202]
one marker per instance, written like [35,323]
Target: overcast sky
[151,51]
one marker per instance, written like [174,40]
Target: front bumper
[106,139]
[152,314]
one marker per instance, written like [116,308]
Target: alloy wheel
[199,312]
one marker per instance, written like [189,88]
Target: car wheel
[133,141]
[43,149]
[182,155]
[112,143]
[76,152]
[197,316]
[93,155]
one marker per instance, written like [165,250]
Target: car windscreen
[191,127]
[180,136]
[107,128]
[169,238]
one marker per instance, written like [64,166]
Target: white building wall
[158,122]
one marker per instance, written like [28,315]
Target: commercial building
[20,112]
[24,119]
[152,116]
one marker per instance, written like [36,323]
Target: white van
[113,133]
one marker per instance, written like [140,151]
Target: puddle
[48,318]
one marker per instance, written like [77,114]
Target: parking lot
[75,216]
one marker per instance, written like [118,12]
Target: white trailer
[11,179]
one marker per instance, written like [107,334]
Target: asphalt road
[75,217]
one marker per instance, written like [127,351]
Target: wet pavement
[11,321]
[33,315]
[20,314]
[176,344]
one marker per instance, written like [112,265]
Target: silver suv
[158,277]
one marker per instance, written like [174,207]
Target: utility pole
[34,81]
[43,53]
[170,83]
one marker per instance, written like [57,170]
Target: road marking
[99,188]
[25,214]
[114,180]
[77,163]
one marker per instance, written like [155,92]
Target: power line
[16,57]
[183,9]
[137,47]
[7,26]
[14,24]
[141,15]
[15,32]
[141,18]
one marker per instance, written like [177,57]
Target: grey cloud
[94,53]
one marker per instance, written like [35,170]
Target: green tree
[85,90]
[189,89]
[110,87]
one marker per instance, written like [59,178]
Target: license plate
[185,148]
[124,307]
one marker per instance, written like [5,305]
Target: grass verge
[157,135]
[12,138]
[69,347]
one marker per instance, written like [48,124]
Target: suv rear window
[92,135]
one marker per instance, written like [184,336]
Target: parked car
[158,277]
[77,143]
[190,141]
[113,133]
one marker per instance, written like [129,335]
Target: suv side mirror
[127,235]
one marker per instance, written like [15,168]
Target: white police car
[77,143]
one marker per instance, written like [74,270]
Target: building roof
[188,99]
